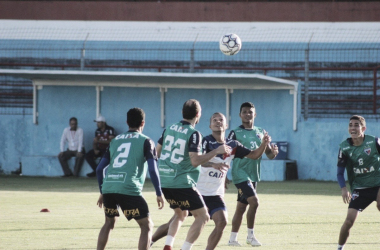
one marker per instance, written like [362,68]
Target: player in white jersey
[211,182]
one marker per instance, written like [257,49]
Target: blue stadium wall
[314,145]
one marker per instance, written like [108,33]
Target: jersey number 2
[124,149]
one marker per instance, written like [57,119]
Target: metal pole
[82,57]
[35,96]
[306,103]
[306,108]
[192,61]
[375,90]
[163,90]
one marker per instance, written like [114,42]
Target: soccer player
[125,177]
[359,155]
[180,152]
[246,173]
[211,181]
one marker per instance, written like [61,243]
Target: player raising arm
[246,173]
[180,153]
[211,181]
[359,155]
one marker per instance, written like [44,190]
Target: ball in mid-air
[230,44]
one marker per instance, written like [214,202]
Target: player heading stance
[212,177]
[359,155]
[180,152]
[246,173]
[125,178]
[212,180]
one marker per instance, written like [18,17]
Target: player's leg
[247,192]
[378,199]
[105,232]
[253,202]
[238,216]
[220,220]
[244,191]
[361,199]
[237,219]
[146,227]
[63,158]
[178,218]
[251,215]
[352,214]
[110,211]
[201,217]
[161,231]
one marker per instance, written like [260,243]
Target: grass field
[292,215]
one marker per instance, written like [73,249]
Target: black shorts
[362,198]
[133,207]
[214,204]
[183,198]
[246,189]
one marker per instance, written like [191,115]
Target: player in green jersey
[360,156]
[211,183]
[125,177]
[246,173]
[180,151]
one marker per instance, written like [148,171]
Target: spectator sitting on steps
[103,136]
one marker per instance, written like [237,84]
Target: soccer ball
[230,44]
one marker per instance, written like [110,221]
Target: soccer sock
[340,247]
[250,233]
[187,246]
[233,236]
[169,240]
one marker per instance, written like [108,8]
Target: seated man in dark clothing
[103,136]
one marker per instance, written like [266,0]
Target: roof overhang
[160,80]
[149,79]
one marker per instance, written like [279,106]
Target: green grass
[292,215]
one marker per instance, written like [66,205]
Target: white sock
[250,233]
[233,236]
[340,247]
[169,240]
[187,246]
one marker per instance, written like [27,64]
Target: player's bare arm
[100,201]
[158,149]
[346,195]
[199,159]
[271,151]
[257,153]
[219,166]
[160,202]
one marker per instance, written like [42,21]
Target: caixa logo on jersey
[367,151]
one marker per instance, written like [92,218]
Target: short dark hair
[217,113]
[360,119]
[73,119]
[246,104]
[190,109]
[135,117]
